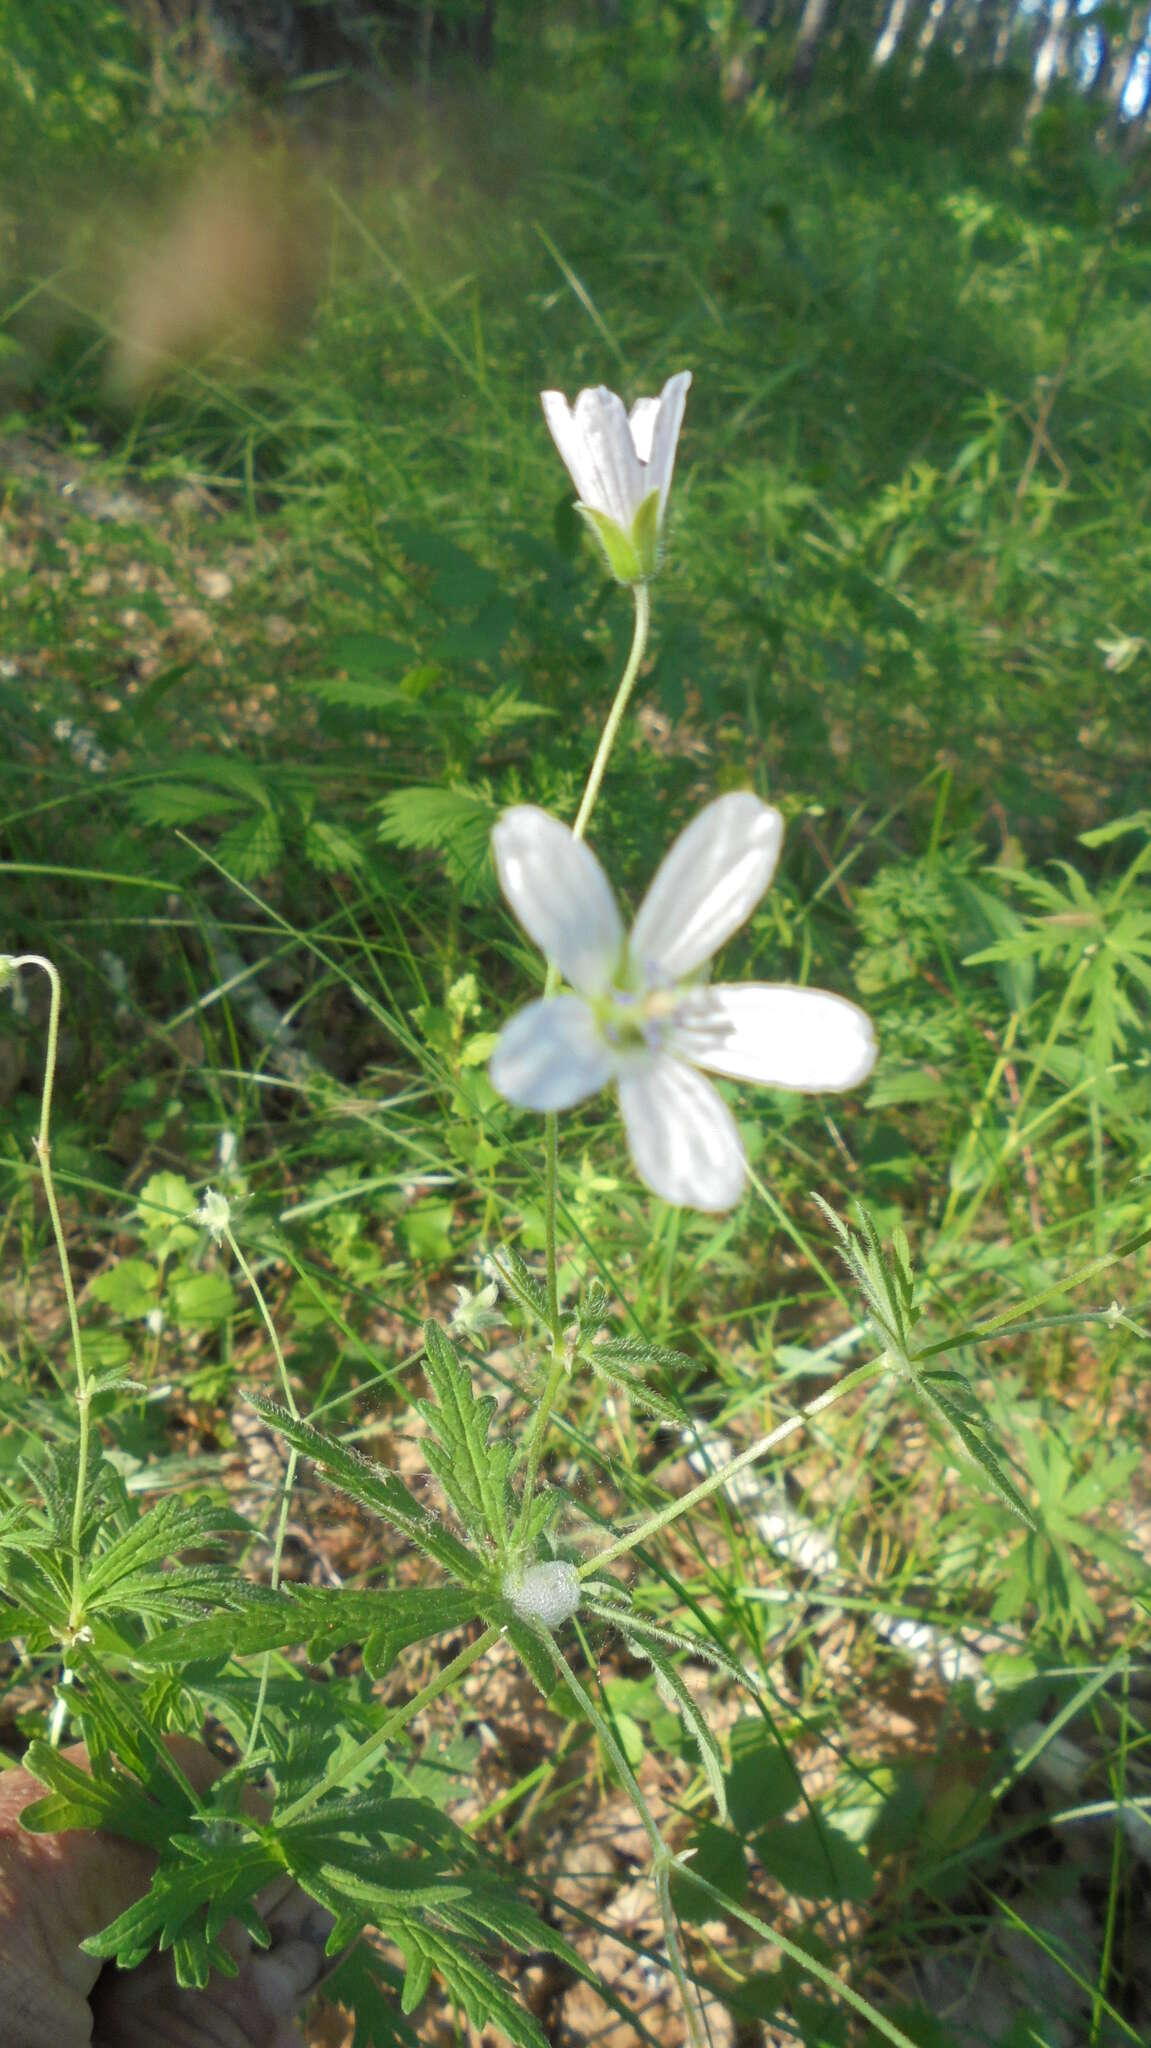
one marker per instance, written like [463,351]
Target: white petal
[614,468]
[682,1138]
[706,887]
[560,894]
[569,440]
[641,419]
[550,1055]
[661,459]
[783,1037]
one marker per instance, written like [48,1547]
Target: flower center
[640,1020]
[647,1020]
[629,1020]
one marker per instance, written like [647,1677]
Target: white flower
[638,1021]
[621,465]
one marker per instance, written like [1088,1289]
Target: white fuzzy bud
[214,1214]
[548,1594]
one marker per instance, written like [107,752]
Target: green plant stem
[538,1431]
[42,1145]
[551,1187]
[615,716]
[719,1479]
[289,1475]
[598,769]
[266,1318]
[663,1861]
[274,1580]
[809,1964]
[364,1757]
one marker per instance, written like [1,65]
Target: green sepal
[617,547]
[645,535]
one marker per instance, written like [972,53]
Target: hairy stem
[539,1426]
[717,1480]
[662,1859]
[363,1759]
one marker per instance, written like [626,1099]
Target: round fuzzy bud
[547,1594]
[214,1214]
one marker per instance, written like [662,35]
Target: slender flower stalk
[215,1214]
[619,705]
[42,1145]
[583,818]
[558,1367]
[663,1862]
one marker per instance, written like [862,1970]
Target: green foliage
[382,1492]
[455,823]
[886,1279]
[472,1472]
[255,835]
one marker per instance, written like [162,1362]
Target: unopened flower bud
[214,1214]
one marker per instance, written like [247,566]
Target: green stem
[551,1187]
[717,1480]
[277,1562]
[266,1317]
[289,1475]
[42,1147]
[662,1859]
[615,716]
[363,1758]
[538,1431]
[551,1122]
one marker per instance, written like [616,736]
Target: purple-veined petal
[783,1037]
[550,1055]
[681,1136]
[560,894]
[641,419]
[570,442]
[609,455]
[705,888]
[669,420]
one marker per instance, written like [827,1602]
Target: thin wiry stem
[725,1473]
[289,1472]
[42,1145]
[663,1862]
[551,1123]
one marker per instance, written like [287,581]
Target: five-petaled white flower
[621,465]
[635,1017]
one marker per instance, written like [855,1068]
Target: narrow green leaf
[522,1284]
[162,1532]
[374,1488]
[472,1472]
[611,1360]
[978,1451]
[694,1716]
